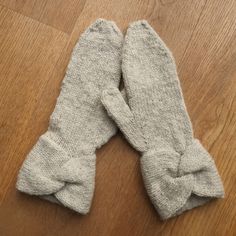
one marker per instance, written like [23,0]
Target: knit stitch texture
[61,166]
[178,172]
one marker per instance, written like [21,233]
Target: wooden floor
[36,39]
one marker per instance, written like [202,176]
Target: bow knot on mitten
[181,177]
[178,172]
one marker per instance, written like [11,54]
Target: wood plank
[61,14]
[209,85]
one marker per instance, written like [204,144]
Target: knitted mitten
[61,166]
[178,172]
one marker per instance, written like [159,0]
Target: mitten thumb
[120,112]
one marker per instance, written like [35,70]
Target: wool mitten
[61,166]
[178,172]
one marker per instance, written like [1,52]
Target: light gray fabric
[61,166]
[178,172]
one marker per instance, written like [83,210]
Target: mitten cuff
[176,183]
[51,173]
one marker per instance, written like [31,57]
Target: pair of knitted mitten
[61,166]
[178,172]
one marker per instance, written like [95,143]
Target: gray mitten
[61,166]
[178,172]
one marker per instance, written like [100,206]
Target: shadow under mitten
[61,166]
[178,172]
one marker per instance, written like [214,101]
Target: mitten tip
[138,23]
[103,25]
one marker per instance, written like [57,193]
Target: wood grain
[36,39]
[61,14]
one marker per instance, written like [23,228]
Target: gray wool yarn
[178,172]
[61,166]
